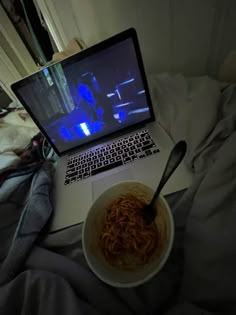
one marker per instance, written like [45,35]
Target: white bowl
[93,226]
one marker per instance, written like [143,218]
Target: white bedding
[200,110]
[16,130]
[199,276]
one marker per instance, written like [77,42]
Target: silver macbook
[95,110]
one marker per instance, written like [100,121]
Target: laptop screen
[89,95]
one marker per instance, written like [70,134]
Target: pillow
[18,118]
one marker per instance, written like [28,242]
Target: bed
[200,275]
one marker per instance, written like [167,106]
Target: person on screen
[97,104]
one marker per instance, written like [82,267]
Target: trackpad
[100,185]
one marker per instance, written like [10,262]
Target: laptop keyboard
[108,156]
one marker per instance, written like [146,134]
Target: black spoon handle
[176,156]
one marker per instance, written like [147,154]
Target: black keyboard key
[139,145]
[89,159]
[120,152]
[106,162]
[123,146]
[112,151]
[102,158]
[127,160]
[117,149]
[114,154]
[141,156]
[137,150]
[81,171]
[108,156]
[87,169]
[148,152]
[156,151]
[132,148]
[70,167]
[93,167]
[85,165]
[131,153]
[73,179]
[100,155]
[118,158]
[147,147]
[71,170]
[147,142]
[105,153]
[106,168]
[86,175]
[126,150]
[112,160]
[99,164]
[125,155]
[134,157]
[79,177]
[72,174]
[67,181]
[90,163]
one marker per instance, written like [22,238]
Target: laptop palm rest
[100,185]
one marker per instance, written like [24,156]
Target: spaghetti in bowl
[119,247]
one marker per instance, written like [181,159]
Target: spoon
[176,156]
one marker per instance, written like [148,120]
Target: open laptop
[95,110]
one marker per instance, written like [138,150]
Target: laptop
[95,110]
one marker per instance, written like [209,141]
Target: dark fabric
[28,198]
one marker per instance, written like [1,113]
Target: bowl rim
[162,262]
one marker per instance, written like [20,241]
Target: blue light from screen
[85,128]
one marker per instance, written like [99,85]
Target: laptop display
[89,95]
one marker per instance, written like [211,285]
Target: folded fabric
[74,46]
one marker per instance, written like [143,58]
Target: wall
[189,36]
[15,60]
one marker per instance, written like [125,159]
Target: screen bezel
[130,33]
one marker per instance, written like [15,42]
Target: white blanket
[200,275]
[200,110]
[16,131]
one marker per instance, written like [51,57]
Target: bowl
[93,225]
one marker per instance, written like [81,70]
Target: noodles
[125,236]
